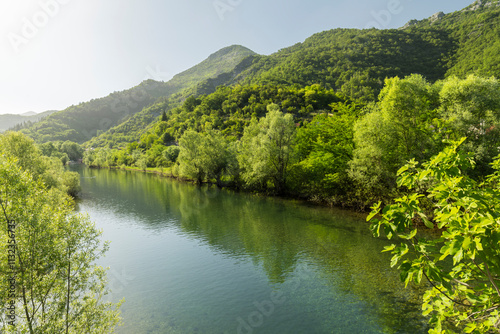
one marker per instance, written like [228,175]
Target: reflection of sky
[215,255]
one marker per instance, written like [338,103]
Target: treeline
[228,109]
[342,153]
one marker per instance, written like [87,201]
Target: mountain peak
[236,49]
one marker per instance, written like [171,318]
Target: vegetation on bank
[463,264]
[49,282]
[347,154]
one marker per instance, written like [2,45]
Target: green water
[202,260]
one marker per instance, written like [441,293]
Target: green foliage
[58,287]
[475,32]
[324,147]
[399,128]
[82,122]
[355,61]
[471,108]
[204,156]
[29,157]
[462,265]
[171,153]
[411,121]
[266,152]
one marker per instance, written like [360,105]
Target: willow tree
[471,108]
[266,152]
[400,127]
[49,282]
[204,155]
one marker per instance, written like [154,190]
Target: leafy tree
[51,281]
[266,151]
[204,155]
[471,108]
[190,156]
[44,169]
[171,153]
[324,148]
[73,150]
[399,128]
[463,263]
[216,155]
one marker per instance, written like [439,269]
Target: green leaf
[389,248]
[458,256]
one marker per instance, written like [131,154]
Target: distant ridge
[8,121]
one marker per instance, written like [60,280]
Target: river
[191,259]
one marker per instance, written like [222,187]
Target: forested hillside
[133,128]
[476,32]
[12,121]
[82,122]
[354,63]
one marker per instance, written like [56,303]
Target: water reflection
[243,248]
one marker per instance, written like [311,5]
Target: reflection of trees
[276,234]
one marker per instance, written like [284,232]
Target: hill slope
[476,33]
[352,62]
[83,122]
[8,121]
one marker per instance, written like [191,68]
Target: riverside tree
[266,150]
[204,155]
[463,264]
[49,282]
[399,128]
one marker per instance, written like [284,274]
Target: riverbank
[169,173]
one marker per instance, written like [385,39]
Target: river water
[191,259]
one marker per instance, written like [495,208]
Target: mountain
[133,128]
[8,121]
[82,122]
[354,63]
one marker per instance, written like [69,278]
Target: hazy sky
[55,53]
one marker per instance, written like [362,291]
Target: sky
[57,53]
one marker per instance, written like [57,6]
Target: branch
[483,311]
[444,293]
[491,279]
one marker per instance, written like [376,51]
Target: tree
[324,148]
[266,150]
[49,280]
[73,150]
[171,153]
[463,264]
[471,108]
[44,169]
[190,156]
[204,155]
[399,128]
